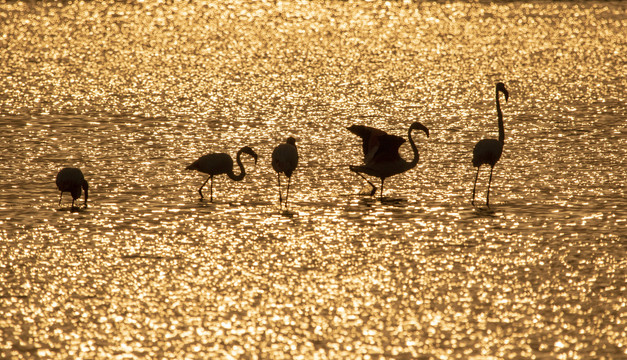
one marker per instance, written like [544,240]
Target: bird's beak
[418,126]
[254,155]
[248,150]
[86,189]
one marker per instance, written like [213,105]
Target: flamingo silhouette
[285,160]
[381,157]
[220,163]
[72,180]
[488,151]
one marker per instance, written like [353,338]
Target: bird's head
[290,140]
[85,186]
[501,87]
[248,150]
[418,126]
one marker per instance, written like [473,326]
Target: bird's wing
[213,164]
[371,152]
[68,178]
[388,148]
[369,136]
[284,158]
[364,131]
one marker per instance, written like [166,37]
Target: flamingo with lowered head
[488,151]
[220,163]
[72,180]
[285,160]
[381,157]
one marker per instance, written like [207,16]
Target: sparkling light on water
[133,93]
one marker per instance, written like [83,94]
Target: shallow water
[133,93]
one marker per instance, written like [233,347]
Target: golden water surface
[133,92]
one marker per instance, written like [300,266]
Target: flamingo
[488,151]
[220,163]
[285,160]
[381,157]
[71,180]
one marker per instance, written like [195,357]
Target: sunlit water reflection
[133,93]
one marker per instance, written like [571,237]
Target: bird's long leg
[489,181]
[211,189]
[278,179]
[475,187]
[72,203]
[382,179]
[374,188]
[288,191]
[201,186]
[60,198]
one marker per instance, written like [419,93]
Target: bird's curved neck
[499,113]
[414,161]
[242,172]
[85,186]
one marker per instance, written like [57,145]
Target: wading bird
[381,157]
[488,151]
[220,163]
[72,180]
[285,160]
